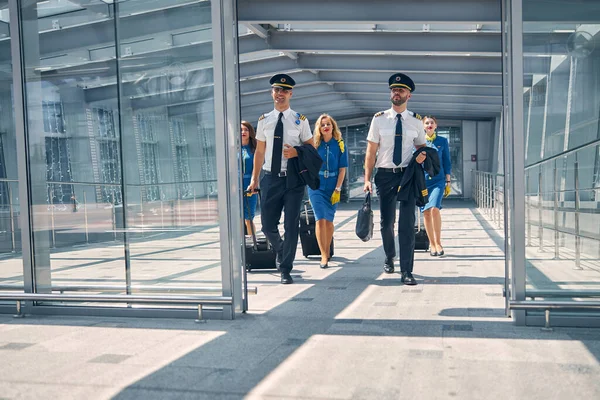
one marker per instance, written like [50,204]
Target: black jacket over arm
[304,169]
[413,180]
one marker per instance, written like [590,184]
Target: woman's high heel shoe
[433,253]
[441,252]
[324,266]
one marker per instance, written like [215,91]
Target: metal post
[194,206]
[489,194]
[114,216]
[200,316]
[87,234]
[547,327]
[19,313]
[577,205]
[556,246]
[209,215]
[498,203]
[528,218]
[142,211]
[178,207]
[540,213]
[162,214]
[12,220]
[52,217]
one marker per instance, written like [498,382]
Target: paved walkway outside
[349,332]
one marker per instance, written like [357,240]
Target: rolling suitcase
[259,252]
[308,237]
[421,239]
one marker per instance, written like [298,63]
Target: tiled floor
[348,332]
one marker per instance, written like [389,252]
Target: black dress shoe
[388,266]
[286,278]
[408,279]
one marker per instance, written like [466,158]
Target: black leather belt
[392,170]
[280,175]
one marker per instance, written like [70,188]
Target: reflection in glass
[562,110]
[114,177]
[11,266]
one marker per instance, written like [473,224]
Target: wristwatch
[338,189]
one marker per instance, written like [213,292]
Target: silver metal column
[121,157]
[556,235]
[22,147]
[540,211]
[227,127]
[517,183]
[577,208]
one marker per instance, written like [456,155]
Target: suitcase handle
[306,203]
[247,206]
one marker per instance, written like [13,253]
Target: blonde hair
[337,135]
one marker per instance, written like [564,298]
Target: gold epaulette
[302,117]
[417,116]
[379,114]
[261,117]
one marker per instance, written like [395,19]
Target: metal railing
[133,288]
[487,190]
[198,301]
[547,306]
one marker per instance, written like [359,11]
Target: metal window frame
[227,119]
[20,110]
[227,123]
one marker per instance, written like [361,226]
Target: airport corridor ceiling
[340,52]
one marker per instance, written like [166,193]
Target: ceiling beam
[388,42]
[94,34]
[374,77]
[429,98]
[436,90]
[372,11]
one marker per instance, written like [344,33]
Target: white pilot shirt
[296,131]
[383,130]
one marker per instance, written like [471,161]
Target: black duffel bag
[364,220]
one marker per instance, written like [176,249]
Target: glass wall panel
[11,266]
[563,148]
[454,136]
[76,210]
[121,145]
[355,137]
[167,110]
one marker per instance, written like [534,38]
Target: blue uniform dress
[436,184]
[333,160]
[249,203]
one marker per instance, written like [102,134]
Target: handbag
[364,220]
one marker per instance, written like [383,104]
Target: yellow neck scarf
[431,138]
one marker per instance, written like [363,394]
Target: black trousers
[387,190]
[275,198]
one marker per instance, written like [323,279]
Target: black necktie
[398,141]
[277,146]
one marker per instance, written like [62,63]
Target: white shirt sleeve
[305,133]
[373,135]
[260,132]
[420,139]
